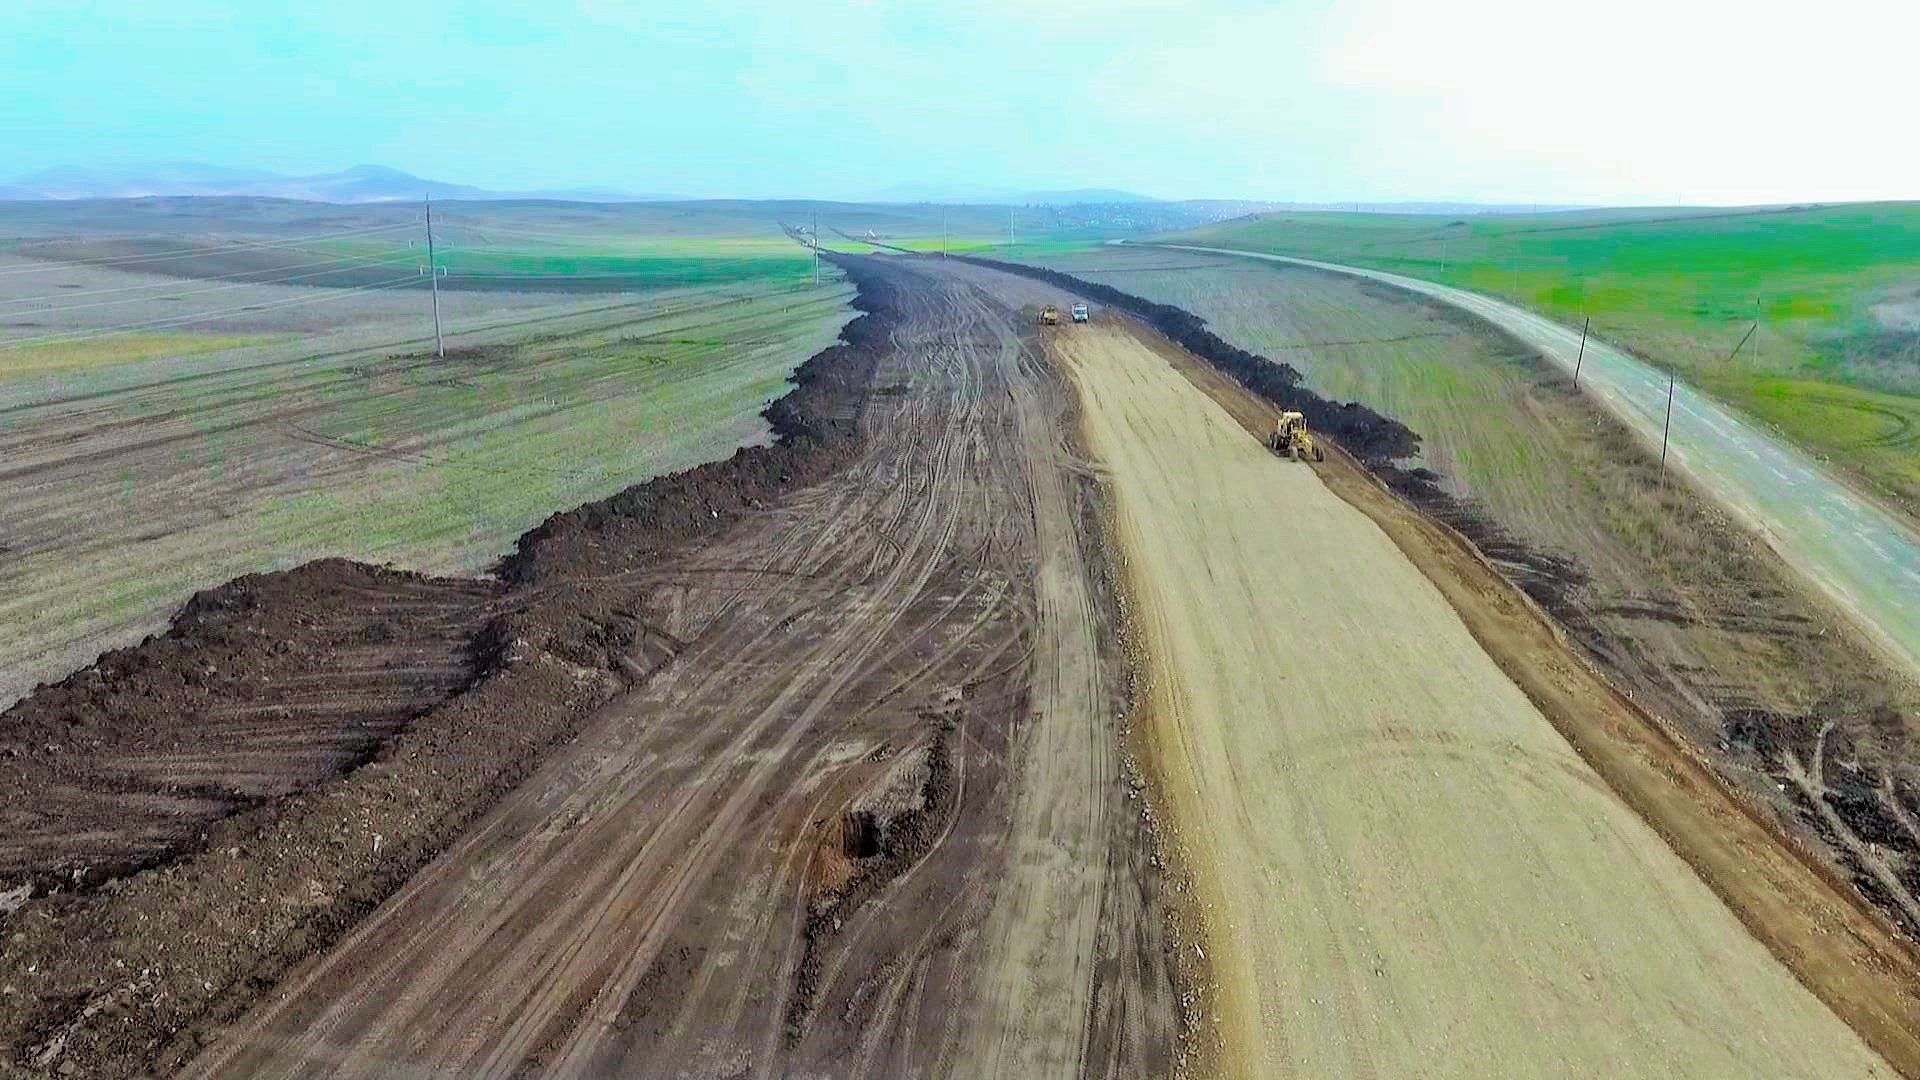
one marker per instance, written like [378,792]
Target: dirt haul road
[868,818]
[1404,869]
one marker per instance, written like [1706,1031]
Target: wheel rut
[920,644]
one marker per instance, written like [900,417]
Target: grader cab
[1290,439]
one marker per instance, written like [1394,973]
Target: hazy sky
[1702,101]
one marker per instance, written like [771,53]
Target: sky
[1524,101]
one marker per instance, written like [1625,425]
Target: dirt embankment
[1381,442]
[1682,607]
[1479,850]
[297,745]
[1809,918]
[1365,433]
[261,687]
[816,432]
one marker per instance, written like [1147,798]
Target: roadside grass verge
[1875,432]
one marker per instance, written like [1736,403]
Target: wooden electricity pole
[816,247]
[1666,431]
[1582,358]
[433,276]
[1743,341]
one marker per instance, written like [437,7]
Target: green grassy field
[1834,291]
[508,258]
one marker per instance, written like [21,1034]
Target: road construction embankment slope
[1861,554]
[1404,869]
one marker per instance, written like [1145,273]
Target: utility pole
[1668,429]
[1582,358]
[816,247]
[433,276]
[1743,341]
[943,232]
[1009,226]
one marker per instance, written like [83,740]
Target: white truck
[1079,313]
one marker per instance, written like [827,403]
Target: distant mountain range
[378,183]
[360,184]
[976,194]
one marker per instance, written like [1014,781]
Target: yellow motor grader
[1290,439]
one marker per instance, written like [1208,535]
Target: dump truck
[1079,313]
[1290,439]
[1049,316]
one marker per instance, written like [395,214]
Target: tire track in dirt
[1044,937]
[807,841]
[207,932]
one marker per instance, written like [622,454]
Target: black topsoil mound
[816,432]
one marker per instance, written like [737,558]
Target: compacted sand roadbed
[1403,869]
